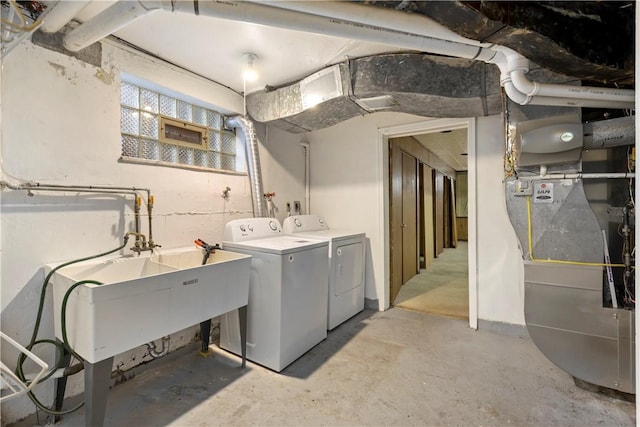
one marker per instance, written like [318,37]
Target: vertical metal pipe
[248,134]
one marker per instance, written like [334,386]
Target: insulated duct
[402,82]
[248,133]
[609,133]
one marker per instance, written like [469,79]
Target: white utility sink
[143,298]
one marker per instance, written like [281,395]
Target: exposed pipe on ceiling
[516,66]
[328,18]
[110,20]
[392,19]
[61,13]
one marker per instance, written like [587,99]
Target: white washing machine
[346,264]
[287,310]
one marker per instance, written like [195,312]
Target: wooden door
[395,219]
[409,217]
[446,216]
[438,211]
[403,217]
[427,212]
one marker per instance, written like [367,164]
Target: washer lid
[280,245]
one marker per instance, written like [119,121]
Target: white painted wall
[60,125]
[500,268]
[283,163]
[347,188]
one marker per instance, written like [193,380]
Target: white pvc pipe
[522,99]
[110,20]
[513,67]
[61,14]
[258,13]
[122,13]
[568,91]
[414,23]
[307,183]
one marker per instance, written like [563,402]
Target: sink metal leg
[205,332]
[61,384]
[242,314]
[97,377]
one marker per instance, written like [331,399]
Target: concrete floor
[398,367]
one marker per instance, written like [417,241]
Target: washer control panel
[300,223]
[239,230]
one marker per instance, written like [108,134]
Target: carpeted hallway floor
[442,288]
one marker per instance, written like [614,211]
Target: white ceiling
[449,146]
[214,48]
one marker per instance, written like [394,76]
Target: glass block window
[142,112]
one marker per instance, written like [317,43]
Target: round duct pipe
[248,134]
[609,133]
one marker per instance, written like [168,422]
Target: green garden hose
[59,346]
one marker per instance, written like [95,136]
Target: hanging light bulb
[249,72]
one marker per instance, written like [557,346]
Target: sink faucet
[138,246]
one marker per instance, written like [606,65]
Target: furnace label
[543,192]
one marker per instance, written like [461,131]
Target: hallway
[442,288]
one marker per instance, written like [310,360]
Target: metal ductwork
[420,84]
[248,133]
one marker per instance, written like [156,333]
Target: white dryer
[346,264]
[287,310]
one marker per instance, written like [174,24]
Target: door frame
[429,126]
